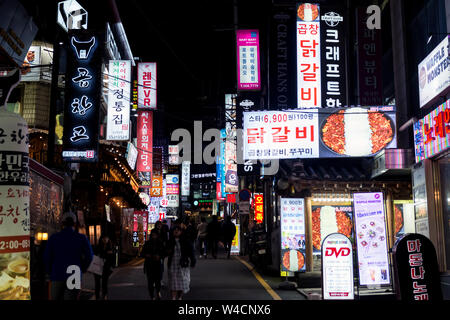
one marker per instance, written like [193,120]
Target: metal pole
[53,98]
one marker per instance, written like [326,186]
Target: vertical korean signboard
[83,89]
[332,32]
[370,56]
[185,178]
[259,207]
[147,85]
[14,208]
[292,219]
[337,268]
[416,268]
[145,147]
[157,175]
[118,118]
[370,227]
[308,56]
[248,66]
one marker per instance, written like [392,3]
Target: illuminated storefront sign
[249,75]
[147,85]
[292,225]
[185,178]
[308,56]
[332,31]
[319,133]
[431,133]
[157,176]
[337,268]
[83,89]
[259,207]
[434,73]
[145,147]
[371,238]
[132,154]
[118,118]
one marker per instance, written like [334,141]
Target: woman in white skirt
[180,257]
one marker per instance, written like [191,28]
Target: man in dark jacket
[229,231]
[214,235]
[153,252]
[66,248]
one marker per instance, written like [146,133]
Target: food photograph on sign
[328,219]
[319,133]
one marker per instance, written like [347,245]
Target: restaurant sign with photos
[83,90]
[319,133]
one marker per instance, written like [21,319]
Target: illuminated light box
[431,133]
[249,74]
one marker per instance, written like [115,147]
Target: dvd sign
[337,268]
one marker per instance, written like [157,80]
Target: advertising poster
[146,85]
[118,115]
[328,219]
[231,178]
[319,133]
[371,239]
[292,220]
[337,268]
[434,73]
[249,74]
[83,90]
[14,209]
[308,56]
[236,244]
[404,221]
[431,133]
[32,60]
[131,156]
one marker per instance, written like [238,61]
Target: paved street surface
[211,279]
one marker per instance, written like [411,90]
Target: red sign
[259,207]
[331,251]
[145,143]
[231,197]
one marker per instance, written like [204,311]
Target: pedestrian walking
[213,230]
[180,257]
[66,248]
[104,250]
[228,231]
[153,252]
[202,234]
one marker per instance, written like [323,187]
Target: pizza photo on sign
[357,132]
[293,260]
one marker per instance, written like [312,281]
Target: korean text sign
[292,219]
[259,207]
[431,133]
[147,85]
[434,73]
[118,118]
[370,227]
[308,56]
[145,146]
[318,132]
[248,64]
[416,268]
[14,208]
[337,268]
[83,89]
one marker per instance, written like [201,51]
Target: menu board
[292,214]
[337,267]
[14,208]
[370,226]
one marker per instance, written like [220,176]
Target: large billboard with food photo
[319,133]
